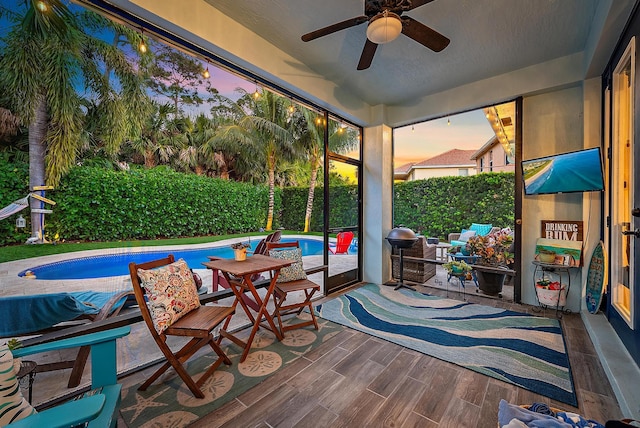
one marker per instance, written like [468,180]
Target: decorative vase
[490,282]
[240,254]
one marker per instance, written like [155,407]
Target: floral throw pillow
[171,292]
[13,406]
[293,272]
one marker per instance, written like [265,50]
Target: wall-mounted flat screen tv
[579,171]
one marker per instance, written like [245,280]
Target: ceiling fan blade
[418,3]
[366,57]
[335,27]
[424,35]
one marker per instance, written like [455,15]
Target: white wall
[551,123]
[422,173]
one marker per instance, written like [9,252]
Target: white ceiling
[488,38]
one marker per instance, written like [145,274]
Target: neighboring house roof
[493,141]
[452,158]
[402,172]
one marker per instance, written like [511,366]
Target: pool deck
[138,348]
[11,284]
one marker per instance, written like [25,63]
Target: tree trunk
[149,159]
[37,150]
[312,190]
[272,180]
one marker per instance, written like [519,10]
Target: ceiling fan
[385,23]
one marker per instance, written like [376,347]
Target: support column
[378,203]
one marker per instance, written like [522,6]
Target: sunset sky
[467,131]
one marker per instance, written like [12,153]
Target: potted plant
[492,251]
[240,251]
[456,267]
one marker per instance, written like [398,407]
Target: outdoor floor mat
[522,349]
[169,403]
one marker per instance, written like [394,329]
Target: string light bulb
[206,73]
[413,128]
[256,93]
[142,47]
[42,6]
[448,121]
[291,109]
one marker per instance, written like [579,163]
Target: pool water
[118,264]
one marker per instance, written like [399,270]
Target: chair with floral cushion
[291,279]
[166,293]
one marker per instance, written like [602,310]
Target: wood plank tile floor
[356,380]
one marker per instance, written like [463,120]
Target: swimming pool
[118,264]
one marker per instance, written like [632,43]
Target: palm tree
[46,57]
[230,146]
[262,131]
[341,140]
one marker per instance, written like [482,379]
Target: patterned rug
[522,349]
[169,403]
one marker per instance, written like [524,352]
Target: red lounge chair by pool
[343,241]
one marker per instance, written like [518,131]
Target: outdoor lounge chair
[97,409]
[416,271]
[459,239]
[41,313]
[343,242]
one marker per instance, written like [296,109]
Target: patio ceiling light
[384,27]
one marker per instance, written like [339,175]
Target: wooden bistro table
[238,274]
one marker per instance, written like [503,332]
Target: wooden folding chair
[283,288]
[197,324]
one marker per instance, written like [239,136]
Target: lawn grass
[19,252]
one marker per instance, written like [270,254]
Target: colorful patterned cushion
[171,292]
[481,229]
[293,272]
[13,406]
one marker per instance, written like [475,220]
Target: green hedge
[14,185]
[95,204]
[441,205]
[343,207]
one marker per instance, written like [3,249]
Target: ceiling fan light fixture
[384,27]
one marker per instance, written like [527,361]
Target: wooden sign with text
[565,230]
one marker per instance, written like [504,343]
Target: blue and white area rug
[522,349]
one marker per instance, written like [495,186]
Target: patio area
[468,397]
[364,363]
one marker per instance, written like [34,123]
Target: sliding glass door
[343,205]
